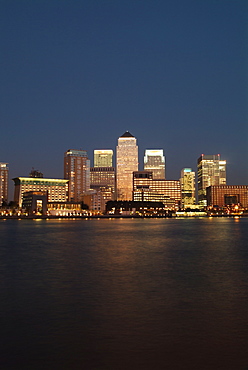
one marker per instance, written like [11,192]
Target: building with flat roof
[126,164]
[94,201]
[187,181]
[154,160]
[4,176]
[57,189]
[145,188]
[103,158]
[35,202]
[227,195]
[77,171]
[211,170]
[102,179]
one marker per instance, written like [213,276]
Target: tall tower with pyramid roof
[126,164]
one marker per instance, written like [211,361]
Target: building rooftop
[39,180]
[127,134]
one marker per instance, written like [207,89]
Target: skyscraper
[4,175]
[77,171]
[187,187]
[154,161]
[103,158]
[126,164]
[102,175]
[211,171]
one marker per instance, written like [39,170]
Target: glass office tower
[187,181]
[211,171]
[103,158]
[154,161]
[126,164]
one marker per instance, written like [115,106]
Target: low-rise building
[132,208]
[94,200]
[57,189]
[35,202]
[227,195]
[145,188]
[65,209]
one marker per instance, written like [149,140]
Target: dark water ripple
[124,294]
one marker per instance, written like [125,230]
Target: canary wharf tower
[126,164]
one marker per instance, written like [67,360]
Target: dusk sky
[78,74]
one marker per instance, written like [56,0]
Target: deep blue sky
[78,74]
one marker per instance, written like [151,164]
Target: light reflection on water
[125,294]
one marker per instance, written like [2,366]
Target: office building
[35,202]
[4,176]
[211,171]
[102,179]
[77,171]
[103,158]
[145,188]
[102,176]
[227,195]
[94,200]
[57,189]
[154,160]
[187,181]
[126,164]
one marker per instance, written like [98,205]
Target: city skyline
[127,182]
[90,163]
[76,75]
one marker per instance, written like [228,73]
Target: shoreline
[116,217]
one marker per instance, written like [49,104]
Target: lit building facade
[57,189]
[65,209]
[187,181]
[227,195]
[145,188]
[95,201]
[126,164]
[35,202]
[4,176]
[211,171]
[154,160]
[103,158]
[77,171]
[103,179]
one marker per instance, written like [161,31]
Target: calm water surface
[124,294]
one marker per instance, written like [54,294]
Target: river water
[124,294]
